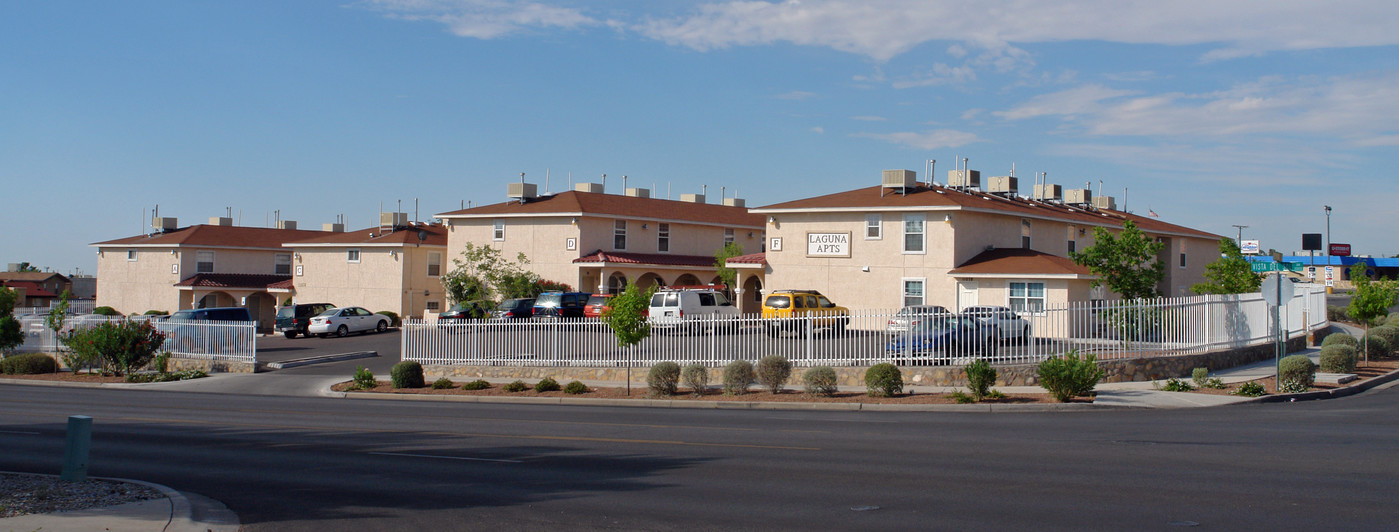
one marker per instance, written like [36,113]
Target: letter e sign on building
[828,244]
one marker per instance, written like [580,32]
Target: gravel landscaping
[22,494]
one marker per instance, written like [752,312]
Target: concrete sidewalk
[176,512]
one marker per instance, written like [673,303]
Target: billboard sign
[1248,247]
[1311,241]
[1339,250]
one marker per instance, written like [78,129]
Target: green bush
[960,397]
[664,379]
[477,384]
[364,379]
[1297,373]
[105,311]
[738,376]
[166,377]
[820,381]
[980,377]
[28,364]
[442,384]
[1390,334]
[696,378]
[121,346]
[884,380]
[407,374]
[162,362]
[1340,338]
[773,372]
[1199,375]
[1176,385]
[1377,346]
[575,388]
[1213,383]
[1069,376]
[995,394]
[1337,314]
[517,386]
[157,313]
[1338,359]
[1250,389]
[548,384]
[394,320]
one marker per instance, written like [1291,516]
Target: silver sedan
[345,320]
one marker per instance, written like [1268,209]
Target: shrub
[664,378]
[820,381]
[773,372]
[76,360]
[29,364]
[517,386]
[1377,346]
[547,385]
[738,376]
[1297,373]
[696,378]
[157,313]
[1213,383]
[477,384]
[575,388]
[1337,314]
[1199,375]
[121,346]
[442,384]
[162,362]
[960,397]
[407,374]
[364,379]
[1250,389]
[1069,376]
[1390,334]
[980,377]
[884,380]
[105,311]
[1341,339]
[394,320]
[1392,320]
[1338,359]
[995,394]
[1176,385]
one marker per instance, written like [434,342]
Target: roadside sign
[1330,272]
[1276,289]
[1263,267]
[1311,241]
[1330,282]
[1249,247]
[1311,272]
[1339,250]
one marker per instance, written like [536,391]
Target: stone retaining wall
[1125,370]
[210,366]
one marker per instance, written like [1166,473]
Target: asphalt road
[277,348]
[285,463]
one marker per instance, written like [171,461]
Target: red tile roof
[1017,261]
[234,280]
[35,277]
[592,203]
[31,289]
[751,258]
[878,198]
[217,236]
[650,259]
[436,236]
[282,285]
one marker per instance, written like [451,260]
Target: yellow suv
[802,310]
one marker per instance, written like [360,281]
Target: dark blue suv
[560,304]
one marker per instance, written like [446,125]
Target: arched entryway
[616,283]
[687,280]
[648,280]
[262,307]
[752,296]
[215,300]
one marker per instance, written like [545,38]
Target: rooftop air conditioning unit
[692,198]
[595,188]
[394,219]
[286,224]
[1003,185]
[964,178]
[1078,196]
[521,191]
[900,179]
[639,192]
[734,202]
[1107,203]
[220,220]
[1049,192]
[165,223]
[333,228]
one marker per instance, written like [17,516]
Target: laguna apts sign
[828,244]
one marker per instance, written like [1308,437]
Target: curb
[321,359]
[1332,394]
[181,511]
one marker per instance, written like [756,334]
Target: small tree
[628,321]
[1372,300]
[1127,262]
[727,275]
[59,313]
[10,334]
[482,273]
[1231,274]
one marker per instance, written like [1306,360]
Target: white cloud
[1086,98]
[796,95]
[927,140]
[482,19]
[868,118]
[818,129]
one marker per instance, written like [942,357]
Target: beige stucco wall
[137,286]
[257,262]
[385,278]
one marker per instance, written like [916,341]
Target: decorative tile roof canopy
[751,258]
[406,235]
[577,203]
[215,236]
[247,281]
[647,259]
[1017,262]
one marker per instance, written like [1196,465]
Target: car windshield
[328,313]
[779,302]
[824,303]
[509,304]
[597,300]
[183,315]
[286,312]
[548,300]
[938,322]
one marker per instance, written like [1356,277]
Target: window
[1073,239]
[728,236]
[131,255]
[434,264]
[1024,233]
[913,292]
[1027,297]
[433,306]
[498,233]
[913,233]
[1182,252]
[663,238]
[352,255]
[282,264]
[204,262]
[873,229]
[619,234]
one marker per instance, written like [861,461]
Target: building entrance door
[966,294]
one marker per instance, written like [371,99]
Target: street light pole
[1240,241]
[1328,234]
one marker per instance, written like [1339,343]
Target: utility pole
[1328,234]
[1240,241]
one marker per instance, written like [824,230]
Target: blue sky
[1209,113]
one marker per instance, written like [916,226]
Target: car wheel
[289,334]
[383,326]
[321,335]
[342,331]
[1025,335]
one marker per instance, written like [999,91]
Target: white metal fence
[75,306]
[1109,329]
[231,341]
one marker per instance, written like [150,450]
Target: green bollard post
[79,442]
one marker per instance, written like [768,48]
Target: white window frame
[728,236]
[663,238]
[906,293]
[1025,233]
[434,258]
[619,230]
[498,230]
[874,227]
[352,255]
[922,233]
[277,263]
[199,261]
[1027,298]
[131,255]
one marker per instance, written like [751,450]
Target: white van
[674,307]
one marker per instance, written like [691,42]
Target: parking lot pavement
[279,349]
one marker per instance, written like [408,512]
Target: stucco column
[602,277]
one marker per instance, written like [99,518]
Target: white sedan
[345,320]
